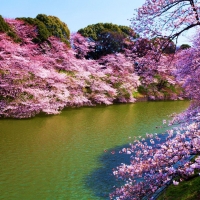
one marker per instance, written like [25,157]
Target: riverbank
[186,190]
[146,98]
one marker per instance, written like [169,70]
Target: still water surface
[63,157]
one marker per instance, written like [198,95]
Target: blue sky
[75,13]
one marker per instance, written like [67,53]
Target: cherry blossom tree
[155,70]
[166,17]
[159,160]
[49,76]
[81,45]
[188,69]
[121,75]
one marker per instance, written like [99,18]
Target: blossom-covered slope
[44,69]
[47,76]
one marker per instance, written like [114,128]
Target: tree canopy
[48,26]
[159,160]
[185,46]
[94,31]
[109,38]
[166,17]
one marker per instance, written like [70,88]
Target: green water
[62,156]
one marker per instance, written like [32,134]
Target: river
[70,156]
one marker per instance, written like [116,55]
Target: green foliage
[186,190]
[185,46]
[69,73]
[43,33]
[48,26]
[24,96]
[87,90]
[128,31]
[4,27]
[161,83]
[137,94]
[8,99]
[94,31]
[109,38]
[161,89]
[142,90]
[55,27]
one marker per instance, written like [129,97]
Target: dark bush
[109,38]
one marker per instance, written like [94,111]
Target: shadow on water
[101,181]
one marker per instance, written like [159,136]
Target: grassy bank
[186,190]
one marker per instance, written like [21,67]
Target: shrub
[48,26]
[4,27]
[55,27]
